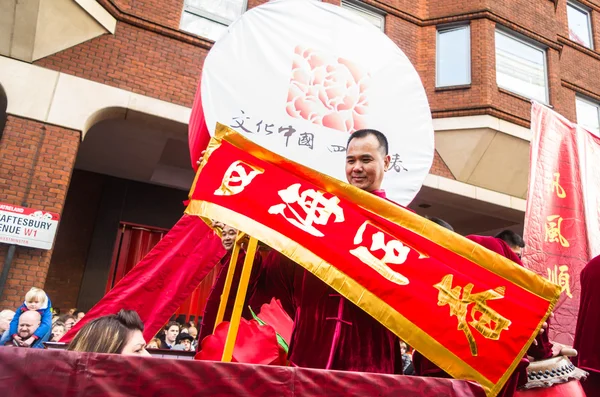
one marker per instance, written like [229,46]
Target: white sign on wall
[299,76]
[27,227]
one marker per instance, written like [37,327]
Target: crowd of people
[329,332]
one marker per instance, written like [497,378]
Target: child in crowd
[58,330]
[35,299]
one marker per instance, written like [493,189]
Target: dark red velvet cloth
[543,350]
[36,372]
[255,296]
[329,331]
[587,333]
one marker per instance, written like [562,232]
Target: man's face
[365,163]
[517,250]
[187,345]
[80,315]
[228,238]
[28,324]
[193,331]
[172,333]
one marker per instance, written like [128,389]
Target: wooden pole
[240,298]
[228,280]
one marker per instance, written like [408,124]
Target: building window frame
[197,12]
[360,7]
[588,13]
[532,44]
[445,29]
[591,102]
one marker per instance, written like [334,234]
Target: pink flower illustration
[328,91]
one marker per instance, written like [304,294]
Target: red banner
[472,312]
[561,222]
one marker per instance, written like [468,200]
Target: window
[580,27]
[210,18]
[521,67]
[453,56]
[371,14]
[588,114]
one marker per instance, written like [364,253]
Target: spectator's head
[403,347]
[185,340]
[68,320]
[28,324]
[58,330]
[153,344]
[119,333]
[72,310]
[367,159]
[514,241]
[184,330]
[172,330]
[35,299]
[78,316]
[6,317]
[440,222]
[193,331]
[228,237]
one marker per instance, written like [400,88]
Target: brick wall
[137,60]
[50,180]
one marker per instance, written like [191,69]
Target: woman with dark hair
[119,333]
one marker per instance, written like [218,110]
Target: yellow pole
[228,281]
[240,297]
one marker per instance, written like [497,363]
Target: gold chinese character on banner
[560,275]
[553,233]
[560,192]
[236,178]
[394,252]
[315,207]
[489,323]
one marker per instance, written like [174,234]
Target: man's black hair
[440,222]
[511,238]
[383,142]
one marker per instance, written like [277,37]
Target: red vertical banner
[562,208]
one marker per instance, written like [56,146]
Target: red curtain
[133,243]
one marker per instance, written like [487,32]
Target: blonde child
[35,299]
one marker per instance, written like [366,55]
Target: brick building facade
[79,95]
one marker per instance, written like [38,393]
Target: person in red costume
[541,349]
[587,333]
[329,331]
[254,298]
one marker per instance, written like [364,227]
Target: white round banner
[299,76]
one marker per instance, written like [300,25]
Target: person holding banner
[330,332]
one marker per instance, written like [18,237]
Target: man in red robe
[330,332]
[587,333]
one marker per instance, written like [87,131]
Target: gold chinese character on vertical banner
[560,192]
[237,177]
[489,323]
[315,208]
[553,233]
[560,275]
[394,252]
